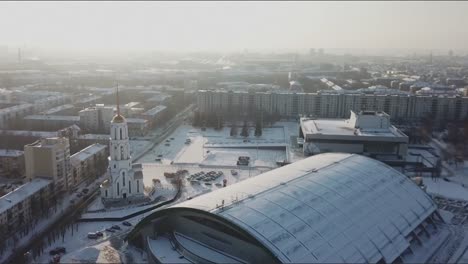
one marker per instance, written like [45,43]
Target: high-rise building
[49,157]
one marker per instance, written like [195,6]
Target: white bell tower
[122,182]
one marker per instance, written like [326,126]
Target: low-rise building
[50,122]
[368,133]
[154,115]
[24,204]
[11,163]
[137,127]
[10,116]
[96,119]
[89,163]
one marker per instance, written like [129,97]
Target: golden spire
[117,100]
[117,118]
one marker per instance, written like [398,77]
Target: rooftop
[94,136]
[88,152]
[53,117]
[21,193]
[155,110]
[10,153]
[365,123]
[330,208]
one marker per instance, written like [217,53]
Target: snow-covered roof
[44,134]
[10,153]
[21,193]
[334,207]
[155,110]
[53,117]
[58,109]
[342,127]
[136,120]
[94,136]
[87,152]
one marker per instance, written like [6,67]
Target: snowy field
[212,146]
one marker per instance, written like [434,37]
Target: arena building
[334,207]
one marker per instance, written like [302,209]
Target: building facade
[24,204]
[88,164]
[96,119]
[49,157]
[11,163]
[334,105]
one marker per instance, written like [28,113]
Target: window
[138,187]
[118,189]
[106,193]
[121,134]
[123,178]
[129,187]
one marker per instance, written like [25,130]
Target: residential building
[12,163]
[334,105]
[96,119]
[50,122]
[20,207]
[154,115]
[49,157]
[88,163]
[11,116]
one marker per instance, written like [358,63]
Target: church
[125,180]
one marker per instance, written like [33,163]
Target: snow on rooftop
[52,117]
[21,193]
[324,209]
[45,134]
[88,152]
[155,110]
[10,153]
[94,136]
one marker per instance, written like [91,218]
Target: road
[173,124]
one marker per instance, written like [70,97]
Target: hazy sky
[234,25]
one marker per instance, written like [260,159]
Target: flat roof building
[330,208]
[368,133]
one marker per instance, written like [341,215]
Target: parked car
[116,227]
[110,230]
[92,235]
[125,223]
[99,233]
[62,250]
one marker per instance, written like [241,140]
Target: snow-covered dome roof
[334,207]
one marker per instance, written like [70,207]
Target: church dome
[118,119]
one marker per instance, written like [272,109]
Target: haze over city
[233,132]
[359,27]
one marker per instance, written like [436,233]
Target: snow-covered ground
[454,187]
[175,154]
[212,146]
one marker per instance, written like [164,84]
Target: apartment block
[49,157]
